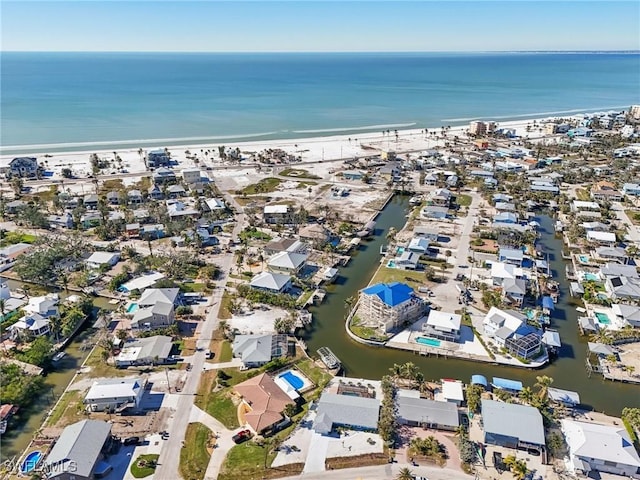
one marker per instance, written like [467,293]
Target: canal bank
[28,421]
[359,360]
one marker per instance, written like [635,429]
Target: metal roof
[391,294]
[347,410]
[563,396]
[513,420]
[427,411]
[506,384]
[479,380]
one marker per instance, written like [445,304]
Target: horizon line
[637,51]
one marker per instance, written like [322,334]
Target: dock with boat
[329,358]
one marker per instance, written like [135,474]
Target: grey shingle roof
[429,411]
[513,420]
[347,410]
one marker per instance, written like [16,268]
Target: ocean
[75,100]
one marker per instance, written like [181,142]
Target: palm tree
[3,307]
[543,383]
[526,395]
[404,474]
[602,336]
[55,327]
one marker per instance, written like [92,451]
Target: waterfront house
[278,214]
[602,238]
[451,391]
[157,158]
[567,398]
[78,452]
[509,329]
[514,290]
[422,412]
[513,256]
[614,254]
[407,260]
[12,303]
[429,233]
[418,245]
[256,350]
[263,402]
[352,412]
[23,167]
[271,282]
[10,253]
[164,175]
[286,262]
[512,425]
[440,197]
[46,305]
[134,197]
[30,326]
[314,233]
[191,175]
[437,212]
[145,351]
[501,271]
[389,305]
[114,394]
[98,259]
[626,314]
[292,245]
[155,308]
[443,325]
[600,448]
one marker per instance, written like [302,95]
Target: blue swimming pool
[400,250]
[591,276]
[292,379]
[30,462]
[603,318]
[432,342]
[132,307]
[583,258]
[391,264]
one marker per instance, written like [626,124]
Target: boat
[58,356]
[413,201]
[559,227]
[329,358]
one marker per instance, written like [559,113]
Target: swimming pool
[591,277]
[391,264]
[583,259]
[400,250]
[30,462]
[602,318]
[295,379]
[432,342]
[132,307]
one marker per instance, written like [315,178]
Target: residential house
[10,253]
[509,329]
[418,245]
[443,325]
[407,260]
[610,269]
[422,412]
[177,209]
[512,425]
[157,158]
[98,259]
[264,403]
[435,212]
[278,214]
[285,262]
[155,193]
[514,290]
[116,217]
[631,189]
[134,197]
[113,197]
[114,394]
[623,288]
[176,191]
[506,218]
[431,179]
[291,245]
[504,271]
[353,175]
[613,254]
[155,308]
[79,451]
[314,233]
[145,351]
[502,197]
[23,167]
[15,206]
[567,398]
[429,233]
[90,201]
[452,391]
[606,191]
[440,197]
[580,205]
[601,238]
[389,305]
[91,219]
[352,412]
[505,207]
[271,282]
[256,350]
[164,175]
[191,175]
[626,314]
[30,326]
[141,215]
[595,226]
[152,232]
[215,204]
[513,256]
[46,305]
[132,230]
[600,448]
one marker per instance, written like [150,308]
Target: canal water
[28,421]
[359,360]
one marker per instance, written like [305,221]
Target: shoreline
[289,137]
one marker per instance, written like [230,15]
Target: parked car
[241,436]
[131,441]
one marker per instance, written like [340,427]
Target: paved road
[462,253]
[383,472]
[632,230]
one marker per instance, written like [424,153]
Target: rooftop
[513,420]
[391,294]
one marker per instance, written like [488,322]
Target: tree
[39,352]
[518,467]
[284,325]
[405,474]
[3,307]
[17,183]
[122,335]
[290,410]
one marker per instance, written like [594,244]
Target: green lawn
[224,313]
[68,401]
[266,185]
[246,461]
[226,354]
[315,374]
[583,194]
[634,216]
[11,238]
[146,470]
[299,173]
[386,275]
[463,200]
[194,456]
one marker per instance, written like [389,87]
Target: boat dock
[329,358]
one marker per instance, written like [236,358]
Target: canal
[28,421]
[359,360]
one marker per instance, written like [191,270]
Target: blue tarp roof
[392,294]
[479,380]
[507,384]
[547,302]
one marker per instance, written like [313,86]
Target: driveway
[317,453]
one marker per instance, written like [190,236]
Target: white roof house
[145,351]
[287,261]
[254,350]
[502,271]
[97,259]
[603,448]
[276,209]
[46,305]
[141,282]
[418,244]
[452,391]
[601,237]
[114,392]
[443,325]
[275,282]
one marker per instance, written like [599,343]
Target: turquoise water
[583,258]
[603,318]
[432,342]
[391,264]
[292,379]
[30,462]
[132,307]
[591,276]
[400,250]
[58,98]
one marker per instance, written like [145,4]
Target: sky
[312,26]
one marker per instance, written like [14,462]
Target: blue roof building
[387,306]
